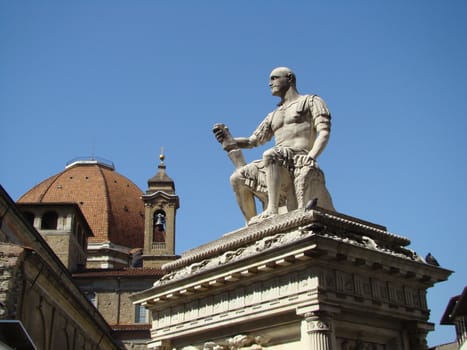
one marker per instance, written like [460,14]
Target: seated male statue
[288,173]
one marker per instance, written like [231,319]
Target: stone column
[317,331]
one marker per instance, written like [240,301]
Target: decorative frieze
[362,286]
[292,227]
[237,299]
[329,279]
[253,294]
[275,292]
[284,291]
[281,291]
[192,310]
[288,284]
[344,282]
[392,294]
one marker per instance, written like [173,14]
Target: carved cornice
[287,257]
[161,194]
[284,224]
[289,239]
[231,256]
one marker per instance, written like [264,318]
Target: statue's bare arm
[322,125]
[260,136]
[240,142]
[319,144]
[246,142]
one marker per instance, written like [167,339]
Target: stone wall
[113,295]
[10,274]
[54,315]
[116,307]
[67,248]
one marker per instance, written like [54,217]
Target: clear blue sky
[120,79]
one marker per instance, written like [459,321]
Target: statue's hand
[305,160]
[311,161]
[223,135]
[219,133]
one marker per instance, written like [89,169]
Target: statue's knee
[235,178]
[268,156]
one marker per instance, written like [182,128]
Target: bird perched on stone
[312,203]
[430,259]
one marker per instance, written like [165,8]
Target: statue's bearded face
[279,82]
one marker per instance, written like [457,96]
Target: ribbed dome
[110,202]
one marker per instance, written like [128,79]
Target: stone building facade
[110,292]
[37,290]
[64,228]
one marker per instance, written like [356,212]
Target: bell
[160,222]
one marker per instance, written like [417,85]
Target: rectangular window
[141,314]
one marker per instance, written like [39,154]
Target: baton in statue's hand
[222,133]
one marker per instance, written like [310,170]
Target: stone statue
[288,175]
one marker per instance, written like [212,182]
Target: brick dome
[110,202]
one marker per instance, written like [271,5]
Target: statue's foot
[260,217]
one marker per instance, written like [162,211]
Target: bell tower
[160,208]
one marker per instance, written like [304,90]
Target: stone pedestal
[311,279]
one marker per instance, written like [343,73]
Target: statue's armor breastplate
[295,112]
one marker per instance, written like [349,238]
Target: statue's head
[281,79]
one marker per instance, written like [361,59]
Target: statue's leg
[292,203]
[273,176]
[302,182]
[276,176]
[310,184]
[244,196]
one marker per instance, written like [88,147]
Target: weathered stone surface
[10,275]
